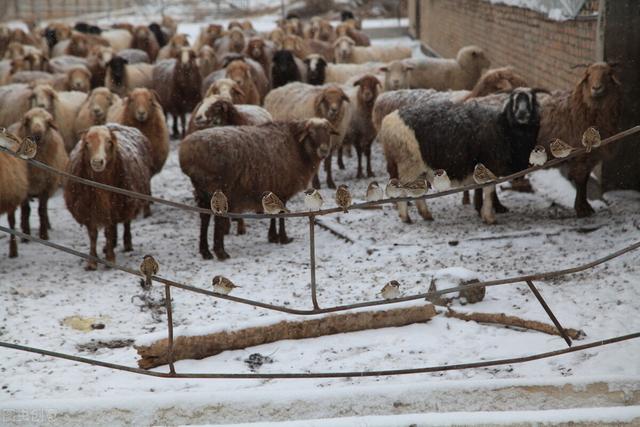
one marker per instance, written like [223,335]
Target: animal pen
[166,352]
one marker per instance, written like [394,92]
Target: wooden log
[199,347]
[503,319]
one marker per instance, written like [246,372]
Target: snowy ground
[43,287]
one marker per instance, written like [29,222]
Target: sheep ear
[537,90]
[408,67]
[319,100]
[358,82]
[155,94]
[345,98]
[238,90]
[52,124]
[383,69]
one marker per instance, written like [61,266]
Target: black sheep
[284,69]
[316,66]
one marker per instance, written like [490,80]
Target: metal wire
[300,312]
[307,375]
[366,205]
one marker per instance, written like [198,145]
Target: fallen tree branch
[503,319]
[201,346]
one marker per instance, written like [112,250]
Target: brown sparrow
[441,181]
[374,192]
[394,189]
[482,175]
[27,149]
[219,204]
[343,197]
[591,139]
[313,199]
[222,285]
[416,188]
[538,156]
[391,290]
[272,205]
[560,149]
[149,267]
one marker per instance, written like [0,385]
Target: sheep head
[79,45]
[368,89]
[247,25]
[43,96]
[255,48]
[100,54]
[316,65]
[228,89]
[118,68]
[236,40]
[100,100]
[36,123]
[215,110]
[14,50]
[100,146]
[325,31]
[343,48]
[315,135]
[521,108]
[239,72]
[141,103]
[142,34]
[598,82]
[473,58]
[396,75]
[277,37]
[330,103]
[79,79]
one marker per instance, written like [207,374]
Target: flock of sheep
[266,109]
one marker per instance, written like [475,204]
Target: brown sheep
[97,60]
[13,191]
[233,42]
[258,50]
[142,110]
[76,78]
[277,37]
[78,45]
[115,155]
[302,48]
[357,36]
[240,72]
[217,110]
[228,89]
[178,83]
[296,101]
[595,101]
[245,161]
[94,109]
[172,49]
[207,60]
[144,39]
[38,125]
[208,36]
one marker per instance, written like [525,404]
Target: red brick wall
[541,49]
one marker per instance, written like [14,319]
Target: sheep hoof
[340,165]
[465,198]
[584,210]
[501,209]
[241,231]
[128,248]
[13,253]
[23,240]
[359,175]
[331,185]
[284,240]
[206,254]
[273,238]
[427,216]
[370,174]
[44,235]
[147,212]
[91,266]
[221,254]
[407,220]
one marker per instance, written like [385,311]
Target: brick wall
[541,49]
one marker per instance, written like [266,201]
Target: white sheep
[346,51]
[340,73]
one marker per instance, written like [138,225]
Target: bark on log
[503,319]
[199,347]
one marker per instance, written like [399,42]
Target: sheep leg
[13,244]
[283,233]
[218,237]
[204,231]
[359,155]
[477,199]
[241,227]
[316,182]
[174,129]
[93,239]
[580,176]
[43,200]
[465,198]
[403,211]
[110,237]
[327,170]
[497,205]
[128,244]
[25,212]
[273,232]
[367,152]
[183,123]
[340,162]
[487,212]
[423,210]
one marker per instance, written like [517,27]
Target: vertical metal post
[563,334]
[167,302]
[312,261]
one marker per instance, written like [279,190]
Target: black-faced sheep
[285,156]
[13,190]
[38,125]
[594,101]
[286,68]
[178,83]
[118,156]
[217,110]
[316,69]
[122,77]
[346,51]
[460,73]
[297,101]
[457,136]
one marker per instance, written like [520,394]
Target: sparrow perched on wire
[313,199]
[591,139]
[27,149]
[222,285]
[391,290]
[416,188]
[441,181]
[374,192]
[219,203]
[482,175]
[149,267]
[343,197]
[538,156]
[560,149]
[271,204]
[394,189]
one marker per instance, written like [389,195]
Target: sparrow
[149,267]
[441,181]
[391,290]
[538,156]
[416,188]
[560,149]
[222,285]
[343,197]
[482,175]
[27,149]
[394,189]
[219,203]
[374,192]
[14,140]
[313,199]
[591,139]
[272,205]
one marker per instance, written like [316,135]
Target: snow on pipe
[6,139]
